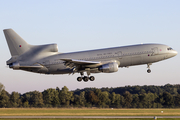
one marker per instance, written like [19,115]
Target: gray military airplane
[46,59]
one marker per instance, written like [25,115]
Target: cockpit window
[169,48]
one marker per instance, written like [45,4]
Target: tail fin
[17,45]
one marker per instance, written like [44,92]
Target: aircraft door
[119,54]
[155,51]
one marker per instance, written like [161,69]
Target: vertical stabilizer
[17,45]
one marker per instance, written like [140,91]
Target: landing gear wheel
[85,78]
[91,78]
[79,79]
[148,70]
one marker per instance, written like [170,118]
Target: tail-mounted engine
[50,48]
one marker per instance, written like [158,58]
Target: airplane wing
[81,62]
[73,63]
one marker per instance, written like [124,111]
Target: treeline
[167,96]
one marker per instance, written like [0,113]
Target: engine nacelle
[109,68]
[45,48]
[51,48]
[14,66]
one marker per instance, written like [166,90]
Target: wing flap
[76,65]
[80,62]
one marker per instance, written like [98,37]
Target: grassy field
[96,119]
[86,112]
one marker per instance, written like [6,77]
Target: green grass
[96,119]
[86,112]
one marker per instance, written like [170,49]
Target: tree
[135,101]
[82,99]
[15,99]
[115,100]
[4,99]
[160,101]
[66,96]
[36,99]
[145,100]
[26,104]
[127,99]
[150,99]
[168,99]
[142,91]
[177,100]
[76,100]
[50,97]
[1,87]
[56,101]
[104,100]
[93,98]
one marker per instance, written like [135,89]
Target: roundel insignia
[19,45]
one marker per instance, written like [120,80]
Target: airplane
[45,59]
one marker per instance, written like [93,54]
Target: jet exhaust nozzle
[14,66]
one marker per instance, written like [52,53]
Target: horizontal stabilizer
[18,66]
[37,67]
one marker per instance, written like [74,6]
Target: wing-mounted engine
[109,67]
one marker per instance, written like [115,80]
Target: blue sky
[91,24]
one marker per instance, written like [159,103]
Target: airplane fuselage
[125,56]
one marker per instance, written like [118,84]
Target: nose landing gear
[148,66]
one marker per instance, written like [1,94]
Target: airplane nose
[175,53]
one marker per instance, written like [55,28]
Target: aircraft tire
[79,79]
[91,78]
[149,71]
[85,78]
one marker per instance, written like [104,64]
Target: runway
[89,117]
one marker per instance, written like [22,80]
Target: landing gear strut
[79,79]
[85,78]
[148,66]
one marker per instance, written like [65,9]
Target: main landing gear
[148,66]
[85,78]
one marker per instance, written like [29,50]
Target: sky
[78,25]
